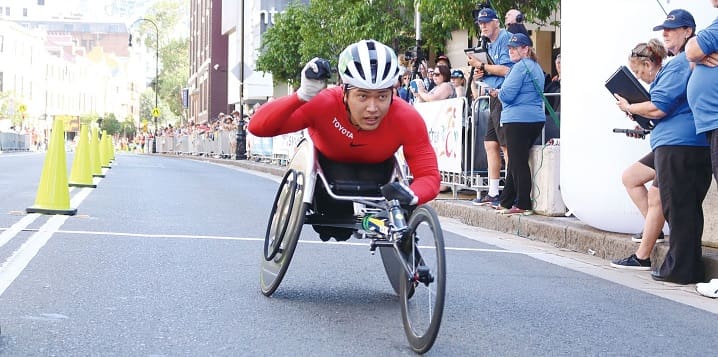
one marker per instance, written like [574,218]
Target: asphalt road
[163,257]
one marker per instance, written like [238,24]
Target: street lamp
[241,138]
[157,74]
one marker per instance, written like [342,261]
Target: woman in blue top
[522,118]
[682,157]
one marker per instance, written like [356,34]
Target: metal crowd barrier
[219,143]
[15,142]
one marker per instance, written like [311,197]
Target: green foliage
[175,72]
[128,128]
[324,27]
[173,57]
[110,123]
[147,102]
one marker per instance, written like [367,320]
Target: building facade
[207,84]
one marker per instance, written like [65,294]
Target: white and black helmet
[369,64]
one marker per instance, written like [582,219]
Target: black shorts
[494,131]
[648,160]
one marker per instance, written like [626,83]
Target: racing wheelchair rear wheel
[285,224]
[423,254]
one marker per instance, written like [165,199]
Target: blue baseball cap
[675,19]
[486,15]
[519,39]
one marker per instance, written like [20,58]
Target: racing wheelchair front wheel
[423,254]
[285,224]
[279,217]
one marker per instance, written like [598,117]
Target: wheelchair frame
[380,219]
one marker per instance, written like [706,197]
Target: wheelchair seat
[335,218]
[356,179]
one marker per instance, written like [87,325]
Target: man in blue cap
[492,74]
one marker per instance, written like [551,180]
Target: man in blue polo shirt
[493,76]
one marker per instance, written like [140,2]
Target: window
[24,12]
[2,43]
[41,2]
[2,86]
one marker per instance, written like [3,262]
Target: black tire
[422,314]
[273,270]
[279,217]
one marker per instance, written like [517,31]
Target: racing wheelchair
[343,200]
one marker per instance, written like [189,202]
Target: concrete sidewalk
[563,232]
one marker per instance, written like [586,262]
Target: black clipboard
[625,84]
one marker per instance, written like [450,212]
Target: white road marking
[20,258]
[16,228]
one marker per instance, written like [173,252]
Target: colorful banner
[443,121]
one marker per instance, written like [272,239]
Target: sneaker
[516,210]
[486,200]
[497,205]
[709,289]
[632,263]
[639,236]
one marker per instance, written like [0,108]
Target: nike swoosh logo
[355,145]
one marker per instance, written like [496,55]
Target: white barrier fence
[15,142]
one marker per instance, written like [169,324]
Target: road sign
[155,112]
[22,108]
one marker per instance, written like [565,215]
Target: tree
[173,53]
[175,72]
[128,128]
[324,27]
[147,102]
[110,123]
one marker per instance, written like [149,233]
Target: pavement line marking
[20,225]
[16,228]
[253,239]
[20,258]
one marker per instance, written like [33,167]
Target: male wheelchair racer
[342,200]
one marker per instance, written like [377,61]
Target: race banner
[286,144]
[443,121]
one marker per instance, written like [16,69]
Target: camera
[411,54]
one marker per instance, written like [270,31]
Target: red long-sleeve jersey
[326,119]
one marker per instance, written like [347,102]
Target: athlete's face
[368,107]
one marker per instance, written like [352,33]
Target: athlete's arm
[277,117]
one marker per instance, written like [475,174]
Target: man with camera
[492,74]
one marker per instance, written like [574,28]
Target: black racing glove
[400,192]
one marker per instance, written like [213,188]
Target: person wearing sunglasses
[442,86]
[682,157]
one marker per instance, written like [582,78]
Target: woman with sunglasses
[442,88]
[645,61]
